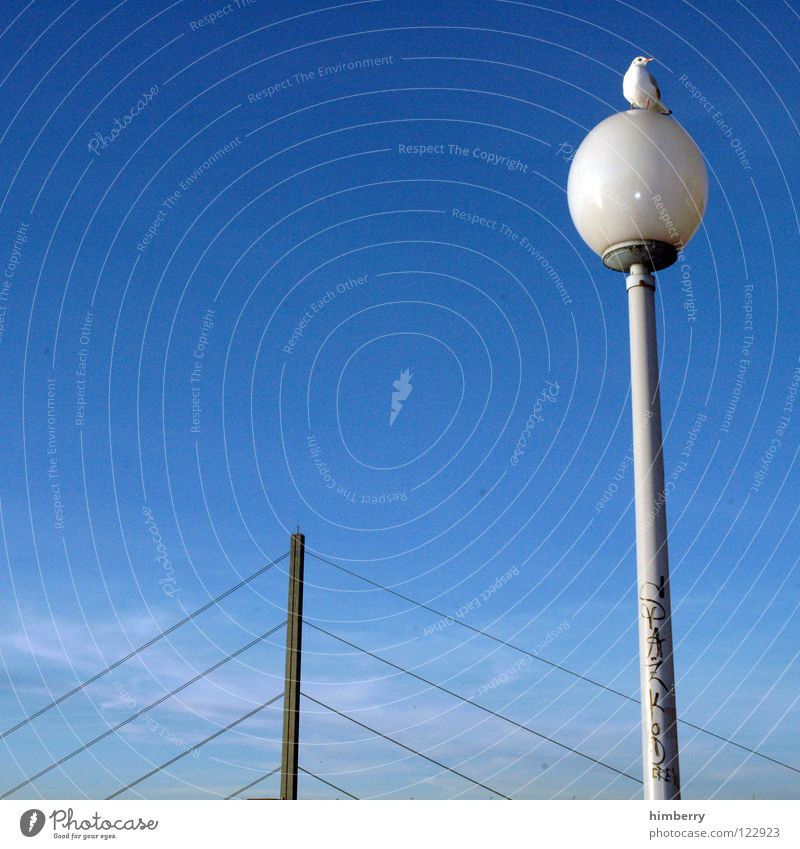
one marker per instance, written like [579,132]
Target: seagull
[641,89]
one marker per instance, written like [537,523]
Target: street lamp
[637,191]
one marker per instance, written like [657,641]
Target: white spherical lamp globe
[637,189]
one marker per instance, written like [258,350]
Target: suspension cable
[479,706]
[554,665]
[253,783]
[141,648]
[196,746]
[138,713]
[407,748]
[338,789]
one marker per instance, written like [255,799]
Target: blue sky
[248,188]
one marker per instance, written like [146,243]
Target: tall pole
[291,698]
[656,668]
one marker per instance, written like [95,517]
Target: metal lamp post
[637,192]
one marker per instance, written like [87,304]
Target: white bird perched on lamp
[641,89]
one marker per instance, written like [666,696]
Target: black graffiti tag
[653,611]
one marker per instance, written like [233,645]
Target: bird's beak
[648,60]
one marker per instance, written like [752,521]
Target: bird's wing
[653,83]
